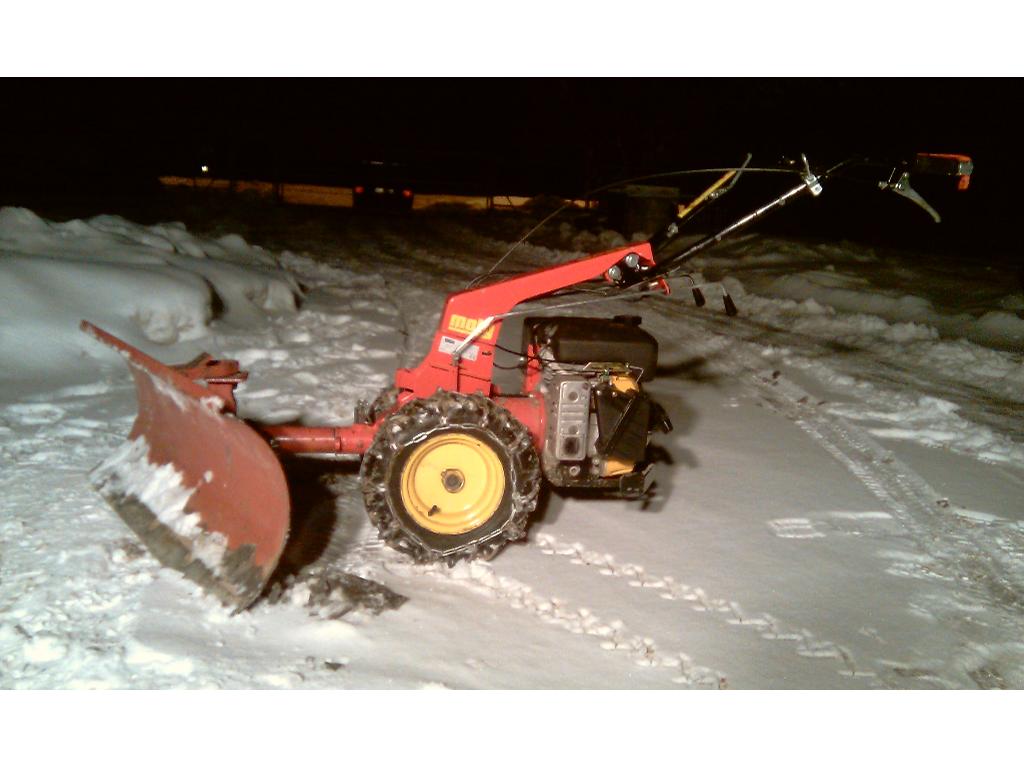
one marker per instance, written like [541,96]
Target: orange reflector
[964,166]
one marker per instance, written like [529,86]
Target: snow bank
[958,299]
[585,241]
[866,325]
[153,286]
[851,294]
[933,422]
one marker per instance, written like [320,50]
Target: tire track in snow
[806,644]
[613,635]
[979,560]
[992,563]
[361,552]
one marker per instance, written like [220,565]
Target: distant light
[205,169]
[358,190]
[406,193]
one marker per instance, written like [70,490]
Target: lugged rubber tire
[471,417]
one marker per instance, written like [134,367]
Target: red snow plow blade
[204,492]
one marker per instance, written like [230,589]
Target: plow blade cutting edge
[201,489]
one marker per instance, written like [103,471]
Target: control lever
[812,181]
[902,187]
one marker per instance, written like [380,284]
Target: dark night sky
[503,135]
[305,126]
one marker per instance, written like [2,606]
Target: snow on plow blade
[202,490]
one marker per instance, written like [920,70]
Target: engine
[599,419]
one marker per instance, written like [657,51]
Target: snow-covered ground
[839,505]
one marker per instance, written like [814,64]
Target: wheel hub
[452,483]
[453,480]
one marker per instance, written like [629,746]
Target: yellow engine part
[615,467]
[452,483]
[625,383]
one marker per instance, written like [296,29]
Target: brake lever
[902,188]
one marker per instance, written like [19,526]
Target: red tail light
[406,193]
[358,190]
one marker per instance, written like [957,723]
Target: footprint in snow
[794,528]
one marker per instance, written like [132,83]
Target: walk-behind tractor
[451,463]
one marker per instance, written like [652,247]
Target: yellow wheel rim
[452,483]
